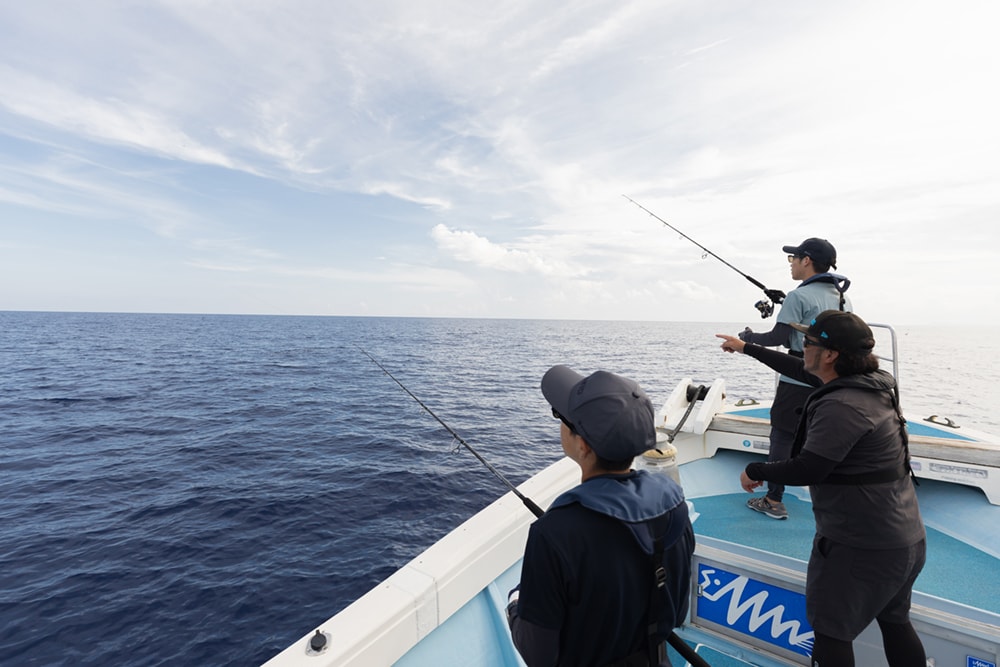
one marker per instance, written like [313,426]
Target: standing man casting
[819,290]
[606,570]
[851,450]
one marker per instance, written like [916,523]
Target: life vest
[877,381]
[840,283]
[638,501]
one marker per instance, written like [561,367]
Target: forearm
[779,335]
[783,363]
[538,646]
[805,469]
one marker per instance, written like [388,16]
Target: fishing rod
[765,306]
[535,509]
[673,639]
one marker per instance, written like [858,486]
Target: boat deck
[959,581]
[954,570]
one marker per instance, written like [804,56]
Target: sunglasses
[558,416]
[809,342]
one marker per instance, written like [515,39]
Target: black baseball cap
[819,250]
[612,413]
[838,330]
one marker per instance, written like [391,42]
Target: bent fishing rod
[673,639]
[766,307]
[535,509]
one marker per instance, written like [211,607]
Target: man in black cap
[820,290]
[850,448]
[606,570]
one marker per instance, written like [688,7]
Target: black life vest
[877,381]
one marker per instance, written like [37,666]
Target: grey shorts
[848,588]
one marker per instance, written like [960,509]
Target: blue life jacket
[841,283]
[637,500]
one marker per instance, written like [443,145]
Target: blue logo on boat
[747,443]
[763,611]
[978,662]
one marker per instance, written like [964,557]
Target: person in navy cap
[606,570]
[810,262]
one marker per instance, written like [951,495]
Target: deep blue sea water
[203,490]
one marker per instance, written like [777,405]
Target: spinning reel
[765,307]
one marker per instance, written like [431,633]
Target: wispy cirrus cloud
[486,147]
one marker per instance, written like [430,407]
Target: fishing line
[765,307]
[535,509]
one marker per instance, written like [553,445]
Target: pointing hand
[731,343]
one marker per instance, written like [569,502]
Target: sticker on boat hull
[763,445]
[766,612]
[958,471]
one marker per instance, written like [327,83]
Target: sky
[463,158]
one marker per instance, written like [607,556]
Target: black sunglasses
[555,413]
[808,342]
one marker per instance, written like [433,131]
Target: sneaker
[767,506]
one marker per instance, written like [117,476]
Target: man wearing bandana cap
[850,449]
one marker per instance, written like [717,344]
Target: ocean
[205,489]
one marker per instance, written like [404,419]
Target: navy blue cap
[612,413]
[819,250]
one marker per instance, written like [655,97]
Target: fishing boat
[447,605]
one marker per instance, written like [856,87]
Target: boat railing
[894,359]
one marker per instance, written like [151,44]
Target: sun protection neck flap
[633,499]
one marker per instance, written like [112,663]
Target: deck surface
[955,570]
